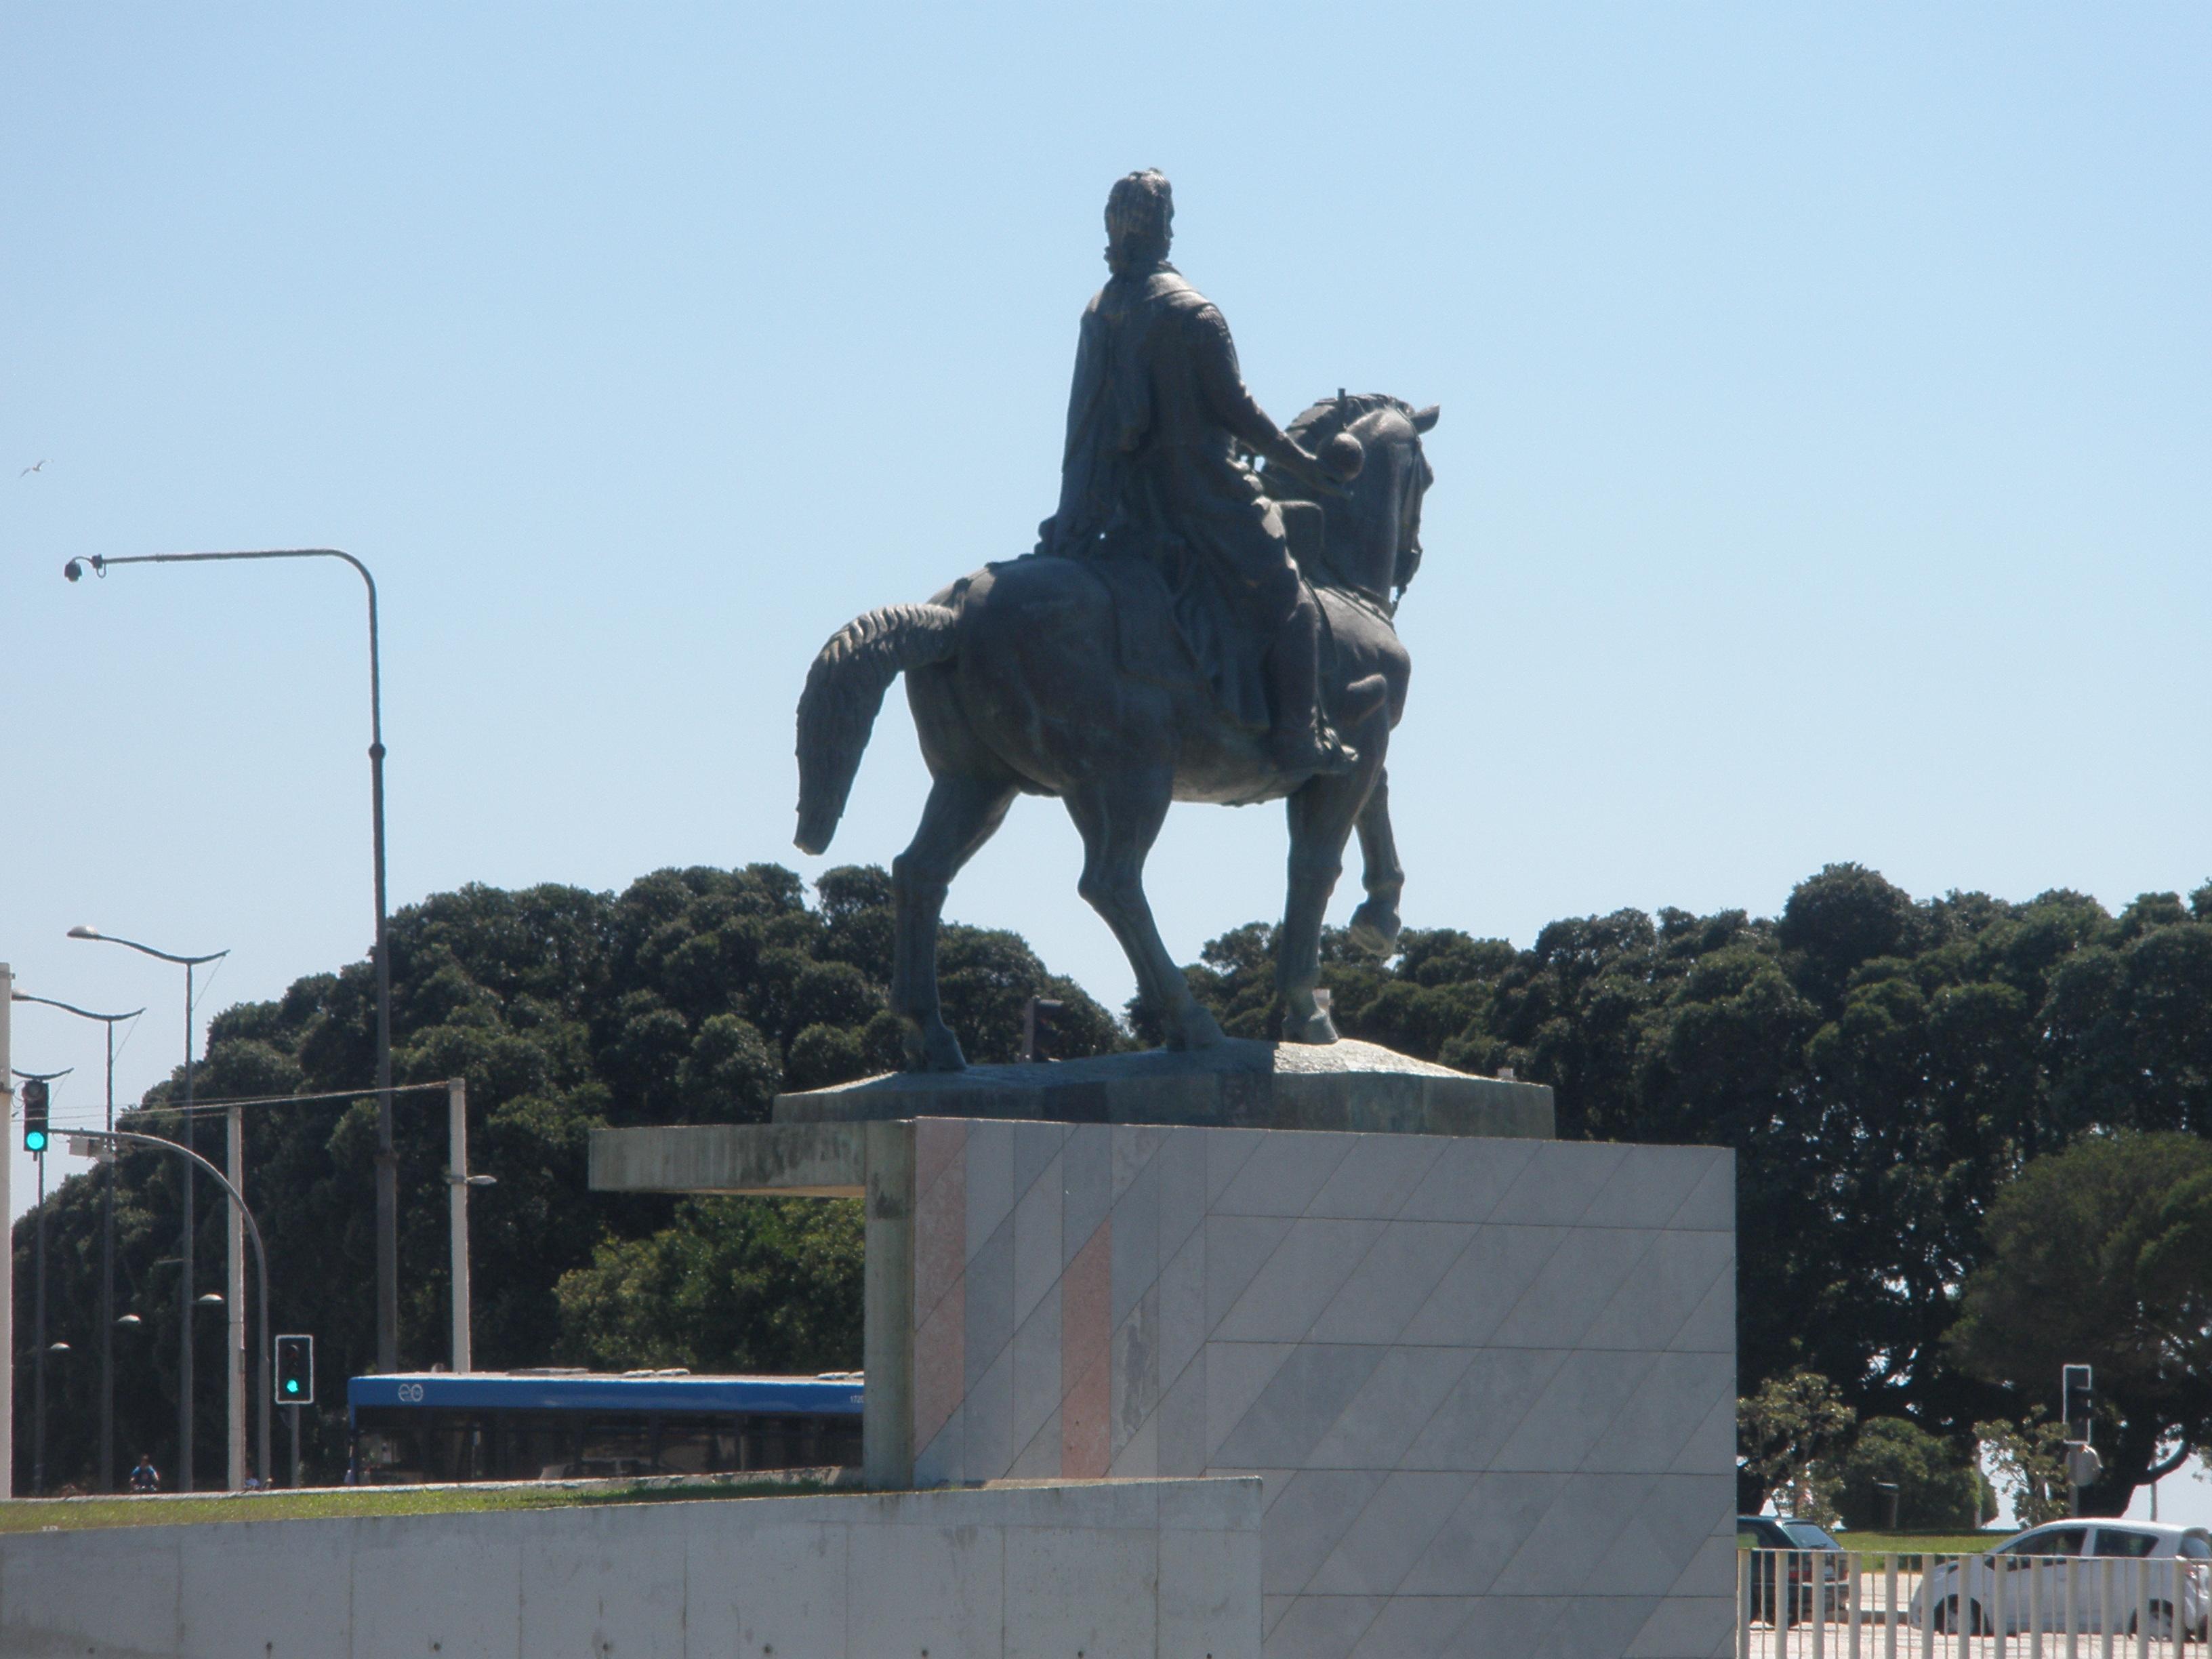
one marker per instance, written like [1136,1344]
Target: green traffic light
[291,1385]
[35,1139]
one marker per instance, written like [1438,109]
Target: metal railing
[1852,1604]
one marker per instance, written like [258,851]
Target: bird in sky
[28,471]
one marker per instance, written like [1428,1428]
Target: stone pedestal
[1488,1380]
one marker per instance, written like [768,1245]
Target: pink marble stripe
[941,1358]
[1086,1357]
[940,1212]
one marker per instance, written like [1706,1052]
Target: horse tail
[844,690]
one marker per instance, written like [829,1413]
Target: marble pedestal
[1488,1381]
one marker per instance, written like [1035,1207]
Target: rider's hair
[1140,215]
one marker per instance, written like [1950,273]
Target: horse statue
[1021,681]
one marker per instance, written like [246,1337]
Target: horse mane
[1319,423]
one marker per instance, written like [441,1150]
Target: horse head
[1374,535]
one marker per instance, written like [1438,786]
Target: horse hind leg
[1321,816]
[1119,822]
[1374,924]
[963,813]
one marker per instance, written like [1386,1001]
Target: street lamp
[38,1317]
[184,1285]
[106,1481]
[387,1159]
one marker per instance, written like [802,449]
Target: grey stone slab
[1298,1086]
[1466,1181]
[1137,1457]
[1686,1628]
[1515,1625]
[1664,1288]
[990,1176]
[1411,1625]
[941,1588]
[1596,1624]
[1235,1248]
[1180,1438]
[1648,1187]
[1487,1528]
[988,1444]
[1202,1611]
[1069,1590]
[1086,1170]
[1711,1444]
[1710,1571]
[1390,1535]
[785,1590]
[1710,1327]
[623,1582]
[944,1460]
[1573,1288]
[1181,1166]
[1283,1174]
[1134,1148]
[1482,1287]
[1557,1187]
[815,1160]
[1235,1375]
[989,1318]
[1036,1146]
[1183,1324]
[1036,1381]
[1392,1281]
[1676,1520]
[1324,1627]
[1306,1523]
[1272,1610]
[1393,1406]
[1677,1395]
[1711,1206]
[1377,1176]
[1497,1391]
[1136,1245]
[1135,1389]
[307,1620]
[1564,1554]
[1295,1283]
[1227,1150]
[1301,1402]
[1038,1262]
[1040,1458]
[1578,1406]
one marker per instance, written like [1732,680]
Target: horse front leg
[1374,924]
[962,814]
[1119,819]
[1321,816]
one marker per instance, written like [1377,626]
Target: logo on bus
[410,1394]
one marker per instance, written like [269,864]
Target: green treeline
[1885,1068]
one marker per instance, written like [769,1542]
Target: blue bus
[556,1424]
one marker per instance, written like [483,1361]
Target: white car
[2059,1576]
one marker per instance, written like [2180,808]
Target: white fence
[1849,1604]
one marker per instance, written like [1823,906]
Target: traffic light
[34,1114]
[295,1370]
[2077,1400]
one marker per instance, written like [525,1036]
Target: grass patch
[1922,1543]
[80,1514]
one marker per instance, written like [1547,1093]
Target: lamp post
[260,1255]
[387,1159]
[237,1402]
[39,1305]
[107,1478]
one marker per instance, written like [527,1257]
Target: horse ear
[1425,418]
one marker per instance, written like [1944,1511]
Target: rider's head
[1139,220]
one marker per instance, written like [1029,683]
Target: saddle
[1174,624]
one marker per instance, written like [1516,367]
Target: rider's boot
[1301,740]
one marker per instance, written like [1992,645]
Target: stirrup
[1323,754]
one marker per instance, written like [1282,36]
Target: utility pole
[7,1280]
[458,1183]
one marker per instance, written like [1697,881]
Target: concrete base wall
[1136,1568]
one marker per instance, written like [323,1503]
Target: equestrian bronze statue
[1192,626]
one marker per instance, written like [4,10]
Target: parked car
[1789,1560]
[2024,1581]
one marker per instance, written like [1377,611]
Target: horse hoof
[1319,1028]
[1374,929]
[934,1048]
[1199,1029]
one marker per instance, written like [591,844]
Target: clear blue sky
[1823,474]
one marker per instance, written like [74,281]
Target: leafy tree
[1938,1485]
[2102,1255]
[1788,1434]
[2030,1459]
